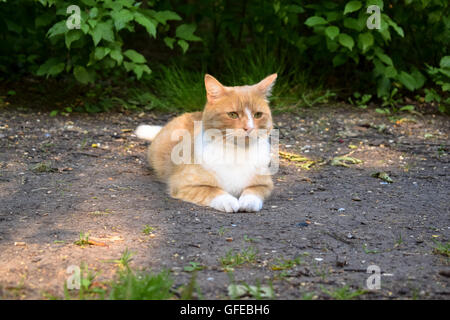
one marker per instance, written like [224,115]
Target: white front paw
[250,203]
[225,202]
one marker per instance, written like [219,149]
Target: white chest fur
[233,167]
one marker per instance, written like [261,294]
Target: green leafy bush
[98,44]
[329,41]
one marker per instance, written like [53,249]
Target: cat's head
[240,107]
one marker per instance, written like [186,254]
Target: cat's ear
[265,86]
[214,89]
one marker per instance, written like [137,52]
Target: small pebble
[302,224]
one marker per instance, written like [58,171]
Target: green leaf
[92,23]
[56,69]
[332,32]
[51,67]
[82,75]
[431,95]
[57,29]
[183,44]
[352,6]
[101,52]
[90,3]
[121,18]
[332,45]
[128,65]
[340,59]
[71,36]
[116,54]
[394,25]
[295,9]
[134,56]
[147,23]
[378,3]
[85,28]
[445,62]
[397,29]
[384,58]
[139,69]
[383,86]
[390,72]
[315,21]
[365,40]
[408,107]
[169,42]
[379,68]
[186,32]
[444,71]
[93,13]
[103,30]
[446,86]
[418,77]
[354,24]
[382,111]
[346,41]
[407,80]
[164,16]
[126,3]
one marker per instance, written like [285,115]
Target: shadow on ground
[65,175]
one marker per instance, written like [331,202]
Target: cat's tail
[147,132]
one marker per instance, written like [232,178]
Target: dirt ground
[63,175]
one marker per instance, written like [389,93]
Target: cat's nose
[248,129]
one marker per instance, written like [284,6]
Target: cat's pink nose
[248,129]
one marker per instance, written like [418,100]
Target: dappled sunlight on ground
[64,176]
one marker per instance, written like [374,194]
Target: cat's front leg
[252,198]
[208,196]
[193,184]
[225,202]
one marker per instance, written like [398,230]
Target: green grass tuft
[442,248]
[344,293]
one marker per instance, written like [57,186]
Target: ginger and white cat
[212,177]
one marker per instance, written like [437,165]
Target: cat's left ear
[265,86]
[214,89]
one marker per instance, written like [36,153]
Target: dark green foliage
[36,33]
[306,42]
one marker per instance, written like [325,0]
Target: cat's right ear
[214,89]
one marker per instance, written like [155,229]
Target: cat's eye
[233,115]
[257,115]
